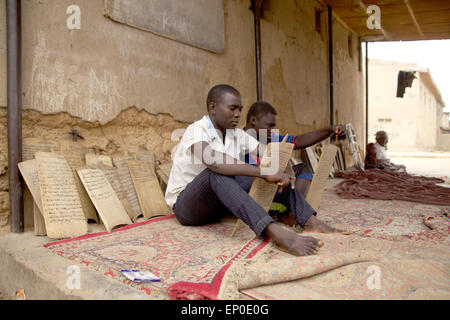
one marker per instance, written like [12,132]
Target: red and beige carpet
[399,250]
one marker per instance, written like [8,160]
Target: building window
[318,15]
[350,46]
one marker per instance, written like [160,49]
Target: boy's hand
[282,180]
[339,131]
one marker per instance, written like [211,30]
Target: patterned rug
[206,263]
[407,242]
[402,270]
[191,260]
[385,219]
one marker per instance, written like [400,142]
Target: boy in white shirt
[209,178]
[382,139]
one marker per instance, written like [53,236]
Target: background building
[413,122]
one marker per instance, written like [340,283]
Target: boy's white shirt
[381,152]
[184,169]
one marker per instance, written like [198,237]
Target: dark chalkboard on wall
[199,23]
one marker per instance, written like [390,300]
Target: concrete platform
[25,263]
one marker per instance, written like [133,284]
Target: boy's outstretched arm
[308,139]
[226,165]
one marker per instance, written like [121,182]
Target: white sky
[431,54]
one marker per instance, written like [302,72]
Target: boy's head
[370,149]
[224,104]
[382,138]
[262,115]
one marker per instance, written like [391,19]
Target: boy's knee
[184,221]
[215,177]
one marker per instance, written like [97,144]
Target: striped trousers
[208,197]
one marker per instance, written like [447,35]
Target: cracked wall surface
[96,79]
[130,130]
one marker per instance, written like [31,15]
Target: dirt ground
[3,295]
[431,164]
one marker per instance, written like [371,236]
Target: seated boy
[371,161]
[207,179]
[382,139]
[263,116]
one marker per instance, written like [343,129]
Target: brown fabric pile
[387,185]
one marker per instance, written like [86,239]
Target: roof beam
[324,5]
[364,7]
[411,12]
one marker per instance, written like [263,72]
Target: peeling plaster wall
[130,130]
[96,75]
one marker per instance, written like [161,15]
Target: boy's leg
[197,204]
[204,199]
[301,212]
[304,176]
[296,204]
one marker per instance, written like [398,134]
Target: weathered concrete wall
[130,130]
[105,67]
[296,68]
[443,135]
[428,118]
[397,116]
[443,143]
[97,78]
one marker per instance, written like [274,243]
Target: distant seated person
[371,161]
[381,138]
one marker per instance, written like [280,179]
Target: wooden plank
[112,174]
[431,27]
[148,190]
[27,208]
[164,171]
[102,194]
[388,21]
[32,145]
[146,155]
[75,156]
[62,210]
[320,178]
[30,176]
[29,173]
[312,158]
[400,8]
[126,184]
[95,160]
[261,191]
[39,222]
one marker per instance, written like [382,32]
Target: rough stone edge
[25,263]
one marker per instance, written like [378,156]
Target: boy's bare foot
[293,243]
[312,225]
[288,219]
[315,225]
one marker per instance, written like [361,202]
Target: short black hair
[259,109]
[369,145]
[216,93]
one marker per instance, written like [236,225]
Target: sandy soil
[433,164]
[4,230]
[3,295]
